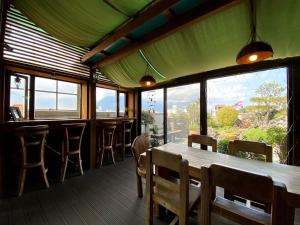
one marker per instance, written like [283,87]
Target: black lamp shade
[147,81]
[254,52]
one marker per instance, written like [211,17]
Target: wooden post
[92,117]
[294,146]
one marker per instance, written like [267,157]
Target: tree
[227,115]
[193,114]
[270,99]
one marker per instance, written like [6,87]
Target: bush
[223,146]
[227,115]
[255,134]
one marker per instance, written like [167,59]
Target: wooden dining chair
[73,133]
[263,149]
[176,195]
[140,145]
[202,140]
[32,146]
[259,188]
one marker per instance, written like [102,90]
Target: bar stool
[127,126]
[32,142]
[106,135]
[73,133]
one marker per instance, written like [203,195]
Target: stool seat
[32,143]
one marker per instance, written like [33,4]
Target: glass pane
[45,101]
[252,107]
[153,116]
[106,103]
[67,87]
[121,104]
[18,98]
[183,112]
[67,102]
[44,84]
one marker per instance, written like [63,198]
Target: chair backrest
[128,124]
[250,146]
[256,187]
[140,145]
[202,140]
[73,133]
[32,137]
[175,163]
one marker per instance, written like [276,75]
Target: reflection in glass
[252,107]
[106,102]
[152,121]
[183,107]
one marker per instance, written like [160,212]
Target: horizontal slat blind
[29,44]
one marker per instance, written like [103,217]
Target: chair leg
[101,158]
[21,181]
[63,169]
[112,155]
[80,164]
[44,174]
[139,186]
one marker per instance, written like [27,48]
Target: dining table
[286,174]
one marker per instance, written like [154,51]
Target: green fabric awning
[214,42]
[210,44]
[78,22]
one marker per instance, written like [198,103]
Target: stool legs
[21,181]
[63,169]
[44,174]
[80,164]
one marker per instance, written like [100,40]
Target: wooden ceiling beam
[175,25]
[143,17]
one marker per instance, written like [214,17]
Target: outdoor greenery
[263,120]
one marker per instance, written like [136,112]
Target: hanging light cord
[149,64]
[253,20]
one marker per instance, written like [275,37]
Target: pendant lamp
[147,80]
[255,51]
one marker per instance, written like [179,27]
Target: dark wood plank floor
[105,196]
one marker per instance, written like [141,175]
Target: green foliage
[211,122]
[255,134]
[147,118]
[229,133]
[223,146]
[276,135]
[227,115]
[193,114]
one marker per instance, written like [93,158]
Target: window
[106,103]
[122,103]
[57,99]
[250,106]
[153,116]
[19,93]
[183,110]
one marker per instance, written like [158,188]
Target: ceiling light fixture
[147,80]
[255,51]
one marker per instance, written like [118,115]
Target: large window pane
[58,99]
[67,87]
[183,112]
[153,116]
[106,103]
[44,84]
[250,106]
[122,104]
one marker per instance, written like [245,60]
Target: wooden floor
[105,196]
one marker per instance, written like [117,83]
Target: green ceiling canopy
[78,22]
[210,44]
[213,43]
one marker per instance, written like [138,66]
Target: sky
[226,90]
